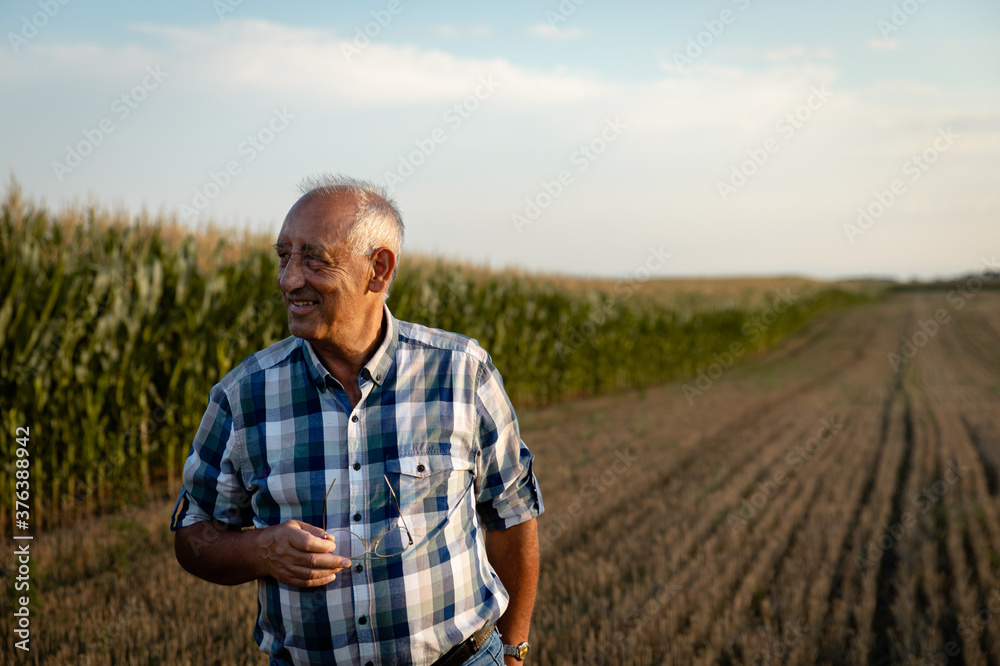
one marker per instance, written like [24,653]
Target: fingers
[312,539]
[300,554]
[314,576]
[311,582]
[303,576]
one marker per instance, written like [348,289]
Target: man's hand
[299,554]
[293,552]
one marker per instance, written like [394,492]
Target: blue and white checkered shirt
[435,420]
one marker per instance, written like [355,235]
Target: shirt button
[359,568]
[420,468]
[369,663]
[357,517]
[378,377]
[362,620]
[354,418]
[357,466]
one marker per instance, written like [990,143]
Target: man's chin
[301,329]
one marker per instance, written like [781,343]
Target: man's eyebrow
[315,248]
[308,247]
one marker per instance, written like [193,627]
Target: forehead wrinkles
[320,223]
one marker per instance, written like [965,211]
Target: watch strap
[519,652]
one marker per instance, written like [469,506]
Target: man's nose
[290,277]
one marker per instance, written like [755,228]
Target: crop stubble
[881,547]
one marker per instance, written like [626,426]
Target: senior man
[367,472]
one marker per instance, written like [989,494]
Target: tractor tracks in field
[886,592]
[801,564]
[770,425]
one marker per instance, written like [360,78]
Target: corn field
[824,503]
[113,331]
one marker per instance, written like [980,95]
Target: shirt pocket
[429,487]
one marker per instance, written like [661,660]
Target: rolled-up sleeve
[212,487]
[507,492]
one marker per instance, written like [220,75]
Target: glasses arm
[392,492]
[325,499]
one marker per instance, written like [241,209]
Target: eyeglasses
[394,541]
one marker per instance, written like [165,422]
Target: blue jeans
[490,654]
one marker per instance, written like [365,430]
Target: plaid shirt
[435,420]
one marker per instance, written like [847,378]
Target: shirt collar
[380,362]
[377,367]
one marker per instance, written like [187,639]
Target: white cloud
[81,61]
[548,31]
[472,31]
[887,44]
[684,131]
[797,53]
[297,63]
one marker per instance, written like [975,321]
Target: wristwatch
[519,652]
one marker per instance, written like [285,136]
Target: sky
[584,137]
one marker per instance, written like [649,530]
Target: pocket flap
[421,466]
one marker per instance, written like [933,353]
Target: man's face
[323,284]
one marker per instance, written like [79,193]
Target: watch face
[518,652]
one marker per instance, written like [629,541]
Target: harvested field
[816,505]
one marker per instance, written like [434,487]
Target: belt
[464,650]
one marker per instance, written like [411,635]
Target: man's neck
[345,362]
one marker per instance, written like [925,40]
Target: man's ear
[383,265]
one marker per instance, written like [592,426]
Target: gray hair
[377,223]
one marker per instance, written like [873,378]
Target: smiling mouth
[301,305]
